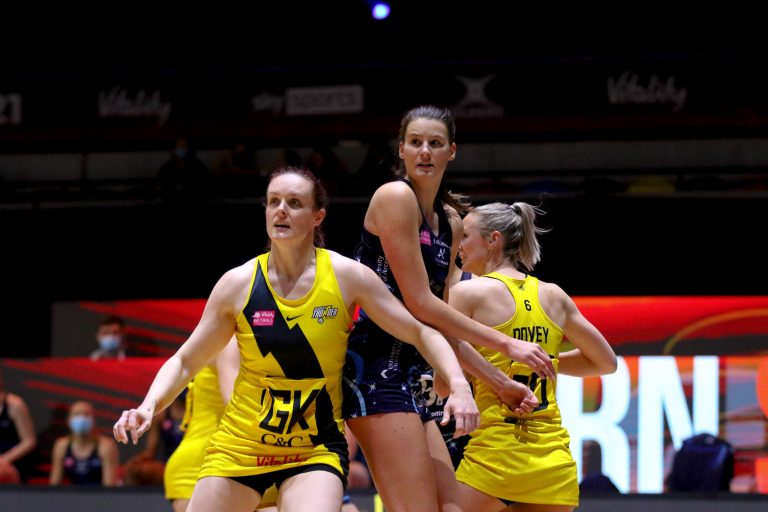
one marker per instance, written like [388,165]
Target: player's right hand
[134,422]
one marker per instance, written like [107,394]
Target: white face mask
[109,342]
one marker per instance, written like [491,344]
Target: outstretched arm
[216,327]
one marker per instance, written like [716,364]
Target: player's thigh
[395,448]
[319,491]
[219,493]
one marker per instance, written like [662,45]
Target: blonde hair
[517,225]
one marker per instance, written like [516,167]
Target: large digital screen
[687,365]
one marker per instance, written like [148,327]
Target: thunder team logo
[322,312]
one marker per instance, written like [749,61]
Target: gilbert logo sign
[476,102]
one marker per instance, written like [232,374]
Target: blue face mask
[81,424]
[109,342]
[181,153]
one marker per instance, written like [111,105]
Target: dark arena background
[643,136]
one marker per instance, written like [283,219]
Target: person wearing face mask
[84,457]
[183,176]
[110,335]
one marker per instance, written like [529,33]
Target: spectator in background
[166,433]
[331,170]
[56,426]
[111,338]
[241,159]
[84,457]
[378,167]
[183,176]
[291,158]
[17,436]
[237,173]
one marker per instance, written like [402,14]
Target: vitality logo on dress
[323,312]
[263,318]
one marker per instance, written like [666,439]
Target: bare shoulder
[454,219]
[392,209]
[393,194]
[240,273]
[238,278]
[346,268]
[60,444]
[12,399]
[231,290]
[352,276]
[556,303]
[397,187]
[107,445]
[15,403]
[474,288]
[451,213]
[551,291]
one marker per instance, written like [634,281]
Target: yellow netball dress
[204,409]
[285,411]
[525,458]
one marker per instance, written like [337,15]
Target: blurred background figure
[111,338]
[17,436]
[56,427]
[147,468]
[291,158]
[237,173]
[183,176]
[331,170]
[240,159]
[704,463]
[84,457]
[597,484]
[378,167]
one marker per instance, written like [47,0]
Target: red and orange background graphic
[688,363]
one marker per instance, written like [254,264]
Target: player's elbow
[419,307]
[609,364]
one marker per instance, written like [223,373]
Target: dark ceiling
[290,33]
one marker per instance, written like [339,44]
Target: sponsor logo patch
[263,318]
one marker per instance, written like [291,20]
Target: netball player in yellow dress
[520,461]
[290,310]
[207,395]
